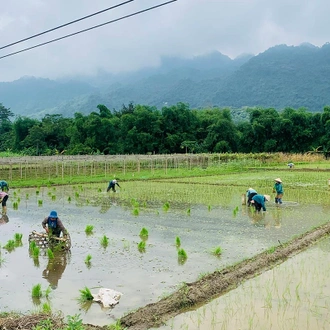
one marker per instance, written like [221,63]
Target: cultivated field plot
[202,215]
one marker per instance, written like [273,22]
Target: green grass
[36,291]
[89,229]
[217,251]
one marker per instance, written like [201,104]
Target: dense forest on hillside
[140,129]
[282,76]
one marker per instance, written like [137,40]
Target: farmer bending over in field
[258,201]
[4,185]
[3,199]
[112,185]
[278,188]
[53,225]
[249,194]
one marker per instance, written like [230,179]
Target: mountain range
[282,76]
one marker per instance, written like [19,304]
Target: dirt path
[218,283]
[192,295]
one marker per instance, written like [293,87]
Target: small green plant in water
[53,197]
[182,255]
[136,211]
[35,252]
[77,194]
[217,251]
[18,237]
[69,199]
[177,241]
[166,206]
[188,212]
[85,295]
[50,254]
[209,208]
[142,246]
[144,233]
[15,205]
[104,241]
[235,211]
[89,229]
[37,192]
[46,309]
[88,260]
[40,202]
[36,291]
[10,246]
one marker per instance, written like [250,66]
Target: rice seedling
[235,211]
[50,254]
[182,256]
[209,208]
[15,193]
[188,211]
[85,294]
[99,190]
[69,199]
[48,291]
[88,260]
[271,250]
[10,245]
[104,241]
[32,245]
[15,205]
[217,251]
[35,252]
[40,202]
[27,196]
[135,203]
[18,200]
[47,310]
[166,206]
[144,233]
[77,194]
[36,291]
[89,229]
[53,197]
[18,237]
[142,246]
[136,211]
[177,242]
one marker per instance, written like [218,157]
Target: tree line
[140,129]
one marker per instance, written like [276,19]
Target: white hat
[278,180]
[267,198]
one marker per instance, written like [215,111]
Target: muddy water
[293,295]
[141,277]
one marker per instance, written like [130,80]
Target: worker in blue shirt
[258,201]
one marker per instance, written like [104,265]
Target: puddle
[141,277]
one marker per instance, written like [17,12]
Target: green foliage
[85,294]
[142,246]
[50,254]
[144,233]
[36,291]
[10,245]
[89,229]
[104,241]
[74,322]
[177,241]
[217,251]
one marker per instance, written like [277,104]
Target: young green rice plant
[85,294]
[209,208]
[135,203]
[15,205]
[144,233]
[271,250]
[15,193]
[188,211]
[177,242]
[235,211]
[48,291]
[53,197]
[46,309]
[142,246]
[50,254]
[88,260]
[136,211]
[99,190]
[32,245]
[76,194]
[217,251]
[74,323]
[40,202]
[69,199]
[166,206]
[36,252]
[27,196]
[104,241]
[10,245]
[36,291]
[18,200]
[89,229]
[18,237]
[182,256]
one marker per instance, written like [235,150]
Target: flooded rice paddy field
[293,295]
[203,216]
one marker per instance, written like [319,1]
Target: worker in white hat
[278,189]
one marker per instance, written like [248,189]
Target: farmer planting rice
[53,225]
[278,188]
[249,194]
[112,185]
[258,201]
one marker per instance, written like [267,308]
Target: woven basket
[44,241]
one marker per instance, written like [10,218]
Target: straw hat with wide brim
[267,198]
[278,180]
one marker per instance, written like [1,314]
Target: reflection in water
[271,218]
[4,219]
[55,268]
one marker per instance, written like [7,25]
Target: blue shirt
[261,200]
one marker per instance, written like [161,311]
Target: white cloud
[184,28]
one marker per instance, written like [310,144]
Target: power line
[88,29]
[66,24]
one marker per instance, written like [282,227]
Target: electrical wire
[66,24]
[88,29]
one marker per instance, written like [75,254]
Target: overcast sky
[184,28]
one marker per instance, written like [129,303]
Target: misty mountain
[282,76]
